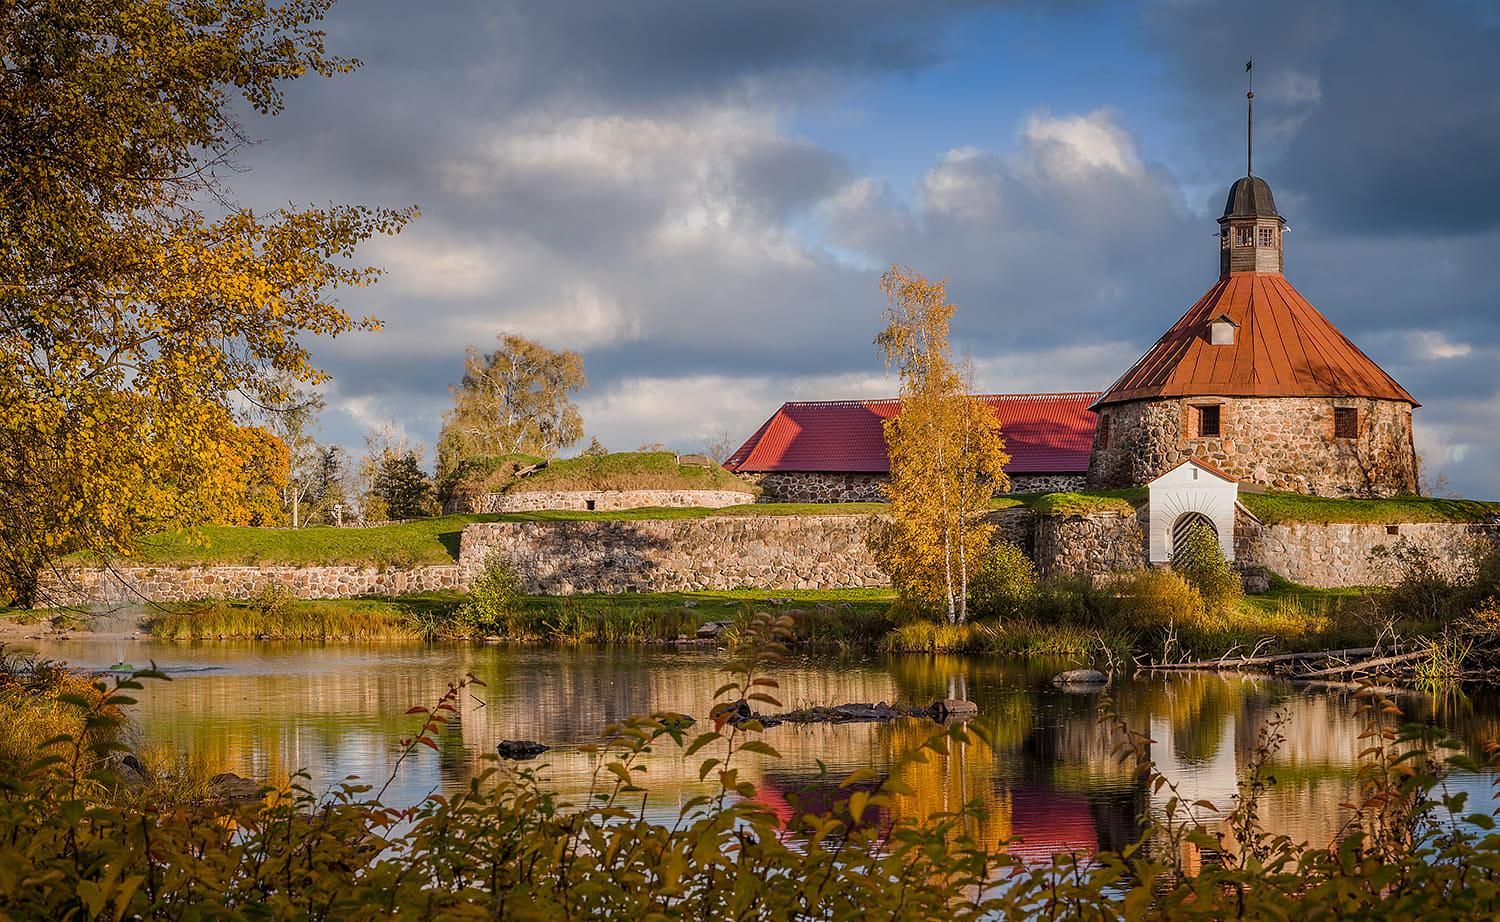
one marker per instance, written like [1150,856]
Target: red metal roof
[1282,348]
[1043,433]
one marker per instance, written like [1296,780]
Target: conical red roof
[1282,348]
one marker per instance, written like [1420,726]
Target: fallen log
[1365,665]
[858,713]
[1268,660]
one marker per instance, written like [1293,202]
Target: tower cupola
[1250,231]
[1251,228]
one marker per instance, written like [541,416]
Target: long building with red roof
[834,450]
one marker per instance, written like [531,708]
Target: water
[264,710]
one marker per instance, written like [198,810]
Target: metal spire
[1249,118]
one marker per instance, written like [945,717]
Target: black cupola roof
[1250,197]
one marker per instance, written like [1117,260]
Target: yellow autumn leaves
[947,457]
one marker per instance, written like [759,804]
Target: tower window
[1208,422]
[1244,236]
[1345,423]
[1104,431]
[1267,236]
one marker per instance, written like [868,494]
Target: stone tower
[1256,381]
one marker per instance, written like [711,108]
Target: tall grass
[40,701]
[278,617]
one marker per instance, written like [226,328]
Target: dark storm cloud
[1383,115]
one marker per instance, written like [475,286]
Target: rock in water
[520,750]
[954,709]
[712,629]
[235,789]
[1080,678]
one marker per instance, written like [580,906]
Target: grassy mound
[413,543]
[1277,508]
[633,470]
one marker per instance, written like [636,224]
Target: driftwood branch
[1271,660]
[1366,665]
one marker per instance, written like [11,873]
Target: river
[1047,777]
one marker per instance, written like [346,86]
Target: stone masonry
[1333,555]
[771,552]
[608,500]
[822,487]
[132,585]
[729,552]
[1087,545]
[819,487]
[1283,443]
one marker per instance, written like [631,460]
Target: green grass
[841,617]
[414,543]
[635,470]
[1276,508]
[1063,504]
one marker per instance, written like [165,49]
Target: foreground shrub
[1005,585]
[1201,561]
[493,606]
[1159,598]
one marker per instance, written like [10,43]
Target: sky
[700,197]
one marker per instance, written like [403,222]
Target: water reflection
[1048,775]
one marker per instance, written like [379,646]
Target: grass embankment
[1072,618]
[633,470]
[1278,508]
[435,540]
[850,618]
[1064,619]
[414,543]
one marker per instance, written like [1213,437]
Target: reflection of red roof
[1043,433]
[1282,348]
[1044,823]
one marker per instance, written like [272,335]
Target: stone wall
[130,585]
[769,552]
[1284,443]
[821,487]
[607,500]
[759,552]
[1328,556]
[1048,483]
[1087,545]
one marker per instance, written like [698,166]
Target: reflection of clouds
[1049,774]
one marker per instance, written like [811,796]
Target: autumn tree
[128,314]
[515,400]
[248,480]
[947,457]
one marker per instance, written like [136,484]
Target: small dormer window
[1221,331]
[1268,236]
[1244,236]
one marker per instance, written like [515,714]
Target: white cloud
[1071,146]
[1435,345]
[966,184]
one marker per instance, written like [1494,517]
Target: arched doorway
[1186,523]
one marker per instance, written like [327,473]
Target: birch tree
[515,400]
[947,457]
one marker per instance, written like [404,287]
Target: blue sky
[699,197]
